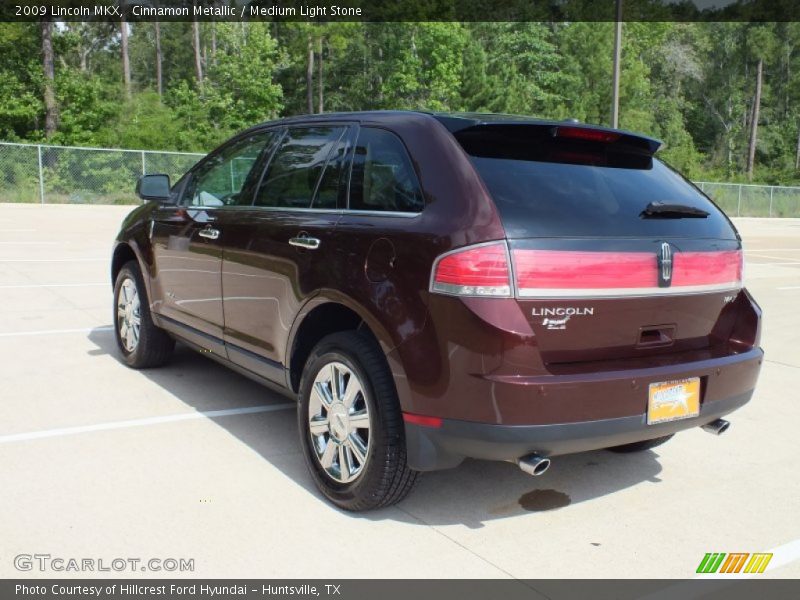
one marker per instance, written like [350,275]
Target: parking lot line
[49,285]
[209,414]
[790,287]
[784,554]
[776,257]
[51,260]
[772,250]
[55,331]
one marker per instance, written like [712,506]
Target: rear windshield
[559,189]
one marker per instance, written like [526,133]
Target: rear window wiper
[663,210]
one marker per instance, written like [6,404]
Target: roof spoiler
[619,139]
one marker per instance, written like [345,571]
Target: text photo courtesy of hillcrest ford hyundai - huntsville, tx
[313,305]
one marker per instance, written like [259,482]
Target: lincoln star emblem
[665,265]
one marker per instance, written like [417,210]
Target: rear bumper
[447,446]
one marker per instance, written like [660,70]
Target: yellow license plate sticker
[673,400]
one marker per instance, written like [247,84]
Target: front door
[187,242]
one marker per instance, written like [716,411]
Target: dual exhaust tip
[533,464]
[717,426]
[536,465]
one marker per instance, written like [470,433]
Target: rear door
[278,249]
[614,254]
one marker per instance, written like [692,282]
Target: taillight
[480,270]
[539,270]
[564,274]
[704,268]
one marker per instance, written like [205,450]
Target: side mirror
[153,187]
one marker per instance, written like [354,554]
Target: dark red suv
[432,287]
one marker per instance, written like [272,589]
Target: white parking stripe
[50,260]
[55,331]
[784,555]
[773,257]
[210,414]
[49,285]
[32,243]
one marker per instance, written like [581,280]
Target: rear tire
[141,344]
[350,423]
[641,446]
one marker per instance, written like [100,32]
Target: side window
[296,168]
[176,192]
[383,178]
[219,180]
[332,188]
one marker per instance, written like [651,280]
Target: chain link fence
[750,200]
[72,175]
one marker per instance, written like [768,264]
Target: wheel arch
[324,315]
[124,252]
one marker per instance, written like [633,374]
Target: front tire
[351,426]
[141,344]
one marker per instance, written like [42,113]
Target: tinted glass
[294,172]
[220,180]
[383,178]
[551,189]
[332,189]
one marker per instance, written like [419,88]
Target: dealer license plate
[673,400]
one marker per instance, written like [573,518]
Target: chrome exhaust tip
[534,464]
[717,426]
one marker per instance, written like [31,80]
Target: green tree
[21,79]
[239,90]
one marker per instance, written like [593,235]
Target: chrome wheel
[129,318]
[338,422]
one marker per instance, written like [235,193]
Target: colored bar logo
[720,562]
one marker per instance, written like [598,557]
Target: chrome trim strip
[382,213]
[328,211]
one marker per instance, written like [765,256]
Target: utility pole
[617,55]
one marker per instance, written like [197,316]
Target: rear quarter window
[383,178]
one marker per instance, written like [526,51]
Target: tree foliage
[689,84]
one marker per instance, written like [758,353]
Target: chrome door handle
[305,242]
[209,233]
